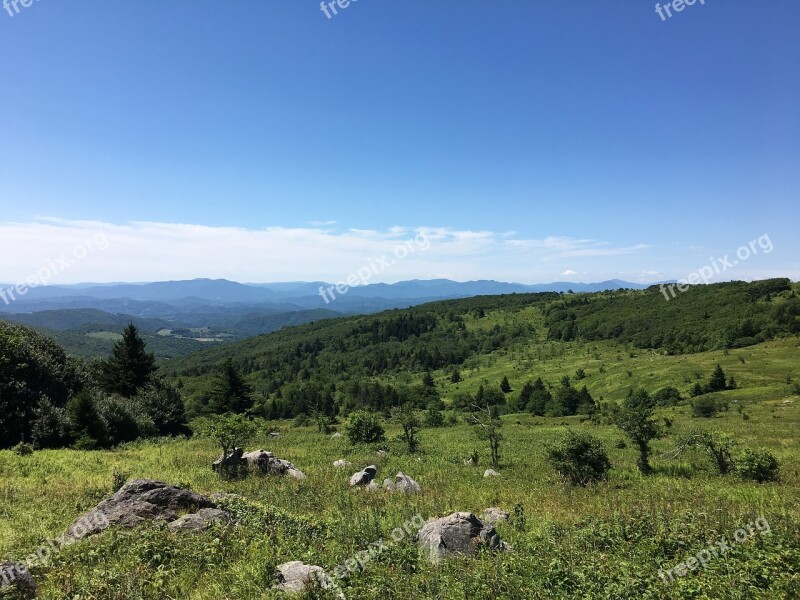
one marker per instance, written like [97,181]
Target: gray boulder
[203,519]
[461,534]
[336,435]
[403,483]
[16,579]
[296,576]
[490,473]
[340,464]
[267,464]
[363,478]
[138,501]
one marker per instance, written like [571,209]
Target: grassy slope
[607,541]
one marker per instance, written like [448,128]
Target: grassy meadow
[605,541]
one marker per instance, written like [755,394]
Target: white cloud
[569,273]
[150,251]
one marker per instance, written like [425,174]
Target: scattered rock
[275,434]
[339,464]
[461,533]
[382,453]
[260,460]
[403,483]
[137,501]
[203,519]
[336,435]
[231,462]
[491,473]
[495,515]
[17,578]
[296,576]
[364,477]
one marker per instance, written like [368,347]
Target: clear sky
[529,140]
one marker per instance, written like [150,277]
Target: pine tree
[718,382]
[231,393]
[505,386]
[130,367]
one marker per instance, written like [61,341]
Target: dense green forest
[348,363]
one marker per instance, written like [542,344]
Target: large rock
[16,577]
[490,473]
[365,477]
[403,483]
[203,519]
[461,533]
[138,501]
[296,576]
[259,460]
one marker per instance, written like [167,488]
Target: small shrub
[434,418]
[118,479]
[23,449]
[364,428]
[705,407]
[757,464]
[579,458]
[620,444]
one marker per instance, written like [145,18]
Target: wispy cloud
[148,251]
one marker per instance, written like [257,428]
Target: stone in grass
[490,473]
[336,435]
[296,577]
[403,483]
[459,534]
[203,519]
[16,581]
[363,478]
[495,515]
[267,464]
[136,502]
[340,464]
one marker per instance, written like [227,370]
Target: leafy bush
[23,449]
[668,396]
[705,407]
[757,464]
[434,418]
[364,428]
[579,458]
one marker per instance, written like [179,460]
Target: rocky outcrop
[260,461]
[138,501]
[365,477]
[461,534]
[296,577]
[143,500]
[403,483]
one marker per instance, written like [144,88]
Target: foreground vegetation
[608,540]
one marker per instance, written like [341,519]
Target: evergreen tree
[85,423]
[427,380]
[129,368]
[231,393]
[718,381]
[505,386]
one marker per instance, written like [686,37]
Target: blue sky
[532,141]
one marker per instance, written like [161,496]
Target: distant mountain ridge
[302,294]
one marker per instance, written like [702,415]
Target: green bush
[364,428]
[705,407]
[757,464]
[579,458]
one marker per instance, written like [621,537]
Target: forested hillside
[359,361]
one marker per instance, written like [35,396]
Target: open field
[606,541]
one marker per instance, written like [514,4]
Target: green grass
[604,541]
